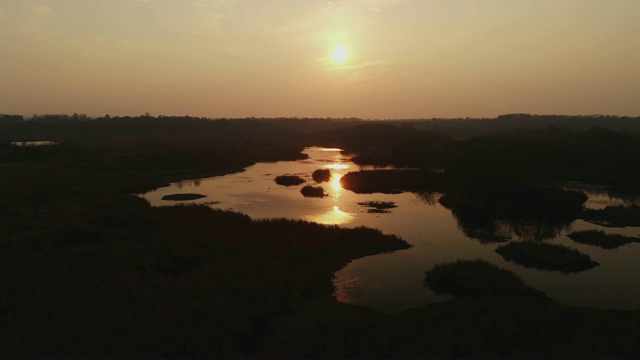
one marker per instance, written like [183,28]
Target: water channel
[393,282]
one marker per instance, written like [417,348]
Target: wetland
[170,237]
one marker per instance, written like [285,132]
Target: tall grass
[543,256]
[475,278]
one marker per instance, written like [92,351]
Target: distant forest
[82,127]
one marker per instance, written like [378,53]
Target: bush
[313,191]
[600,239]
[546,256]
[289,180]
[475,278]
[182,197]
[321,176]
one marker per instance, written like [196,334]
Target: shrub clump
[289,180]
[476,278]
[486,237]
[614,216]
[313,191]
[182,197]
[321,175]
[548,257]
[378,207]
[601,239]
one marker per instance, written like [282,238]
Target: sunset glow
[335,182]
[335,216]
[337,166]
[340,54]
[372,59]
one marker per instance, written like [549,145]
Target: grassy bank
[86,269]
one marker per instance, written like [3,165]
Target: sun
[340,54]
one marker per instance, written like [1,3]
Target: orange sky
[264,58]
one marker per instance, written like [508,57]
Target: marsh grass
[313,191]
[614,216]
[392,181]
[378,207]
[486,237]
[543,256]
[321,175]
[289,180]
[475,278]
[601,239]
[88,270]
[183,197]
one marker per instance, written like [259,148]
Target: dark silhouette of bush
[183,197]
[486,237]
[289,180]
[475,278]
[11,118]
[601,239]
[529,211]
[378,207]
[321,175]
[313,191]
[613,216]
[551,257]
[393,181]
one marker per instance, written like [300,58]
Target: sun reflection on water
[334,216]
[335,182]
[337,166]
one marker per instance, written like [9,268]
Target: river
[393,282]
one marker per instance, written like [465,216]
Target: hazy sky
[263,58]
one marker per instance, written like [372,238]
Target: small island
[289,180]
[476,278]
[550,257]
[378,207]
[601,239]
[321,175]
[486,237]
[614,216]
[313,191]
[182,197]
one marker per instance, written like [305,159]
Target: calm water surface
[393,282]
[35,143]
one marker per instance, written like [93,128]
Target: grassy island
[543,256]
[183,197]
[601,239]
[289,180]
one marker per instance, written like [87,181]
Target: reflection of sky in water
[393,282]
[255,193]
[334,216]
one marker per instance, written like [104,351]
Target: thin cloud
[360,72]
[213,11]
[33,17]
[215,4]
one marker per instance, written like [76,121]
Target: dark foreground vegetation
[87,269]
